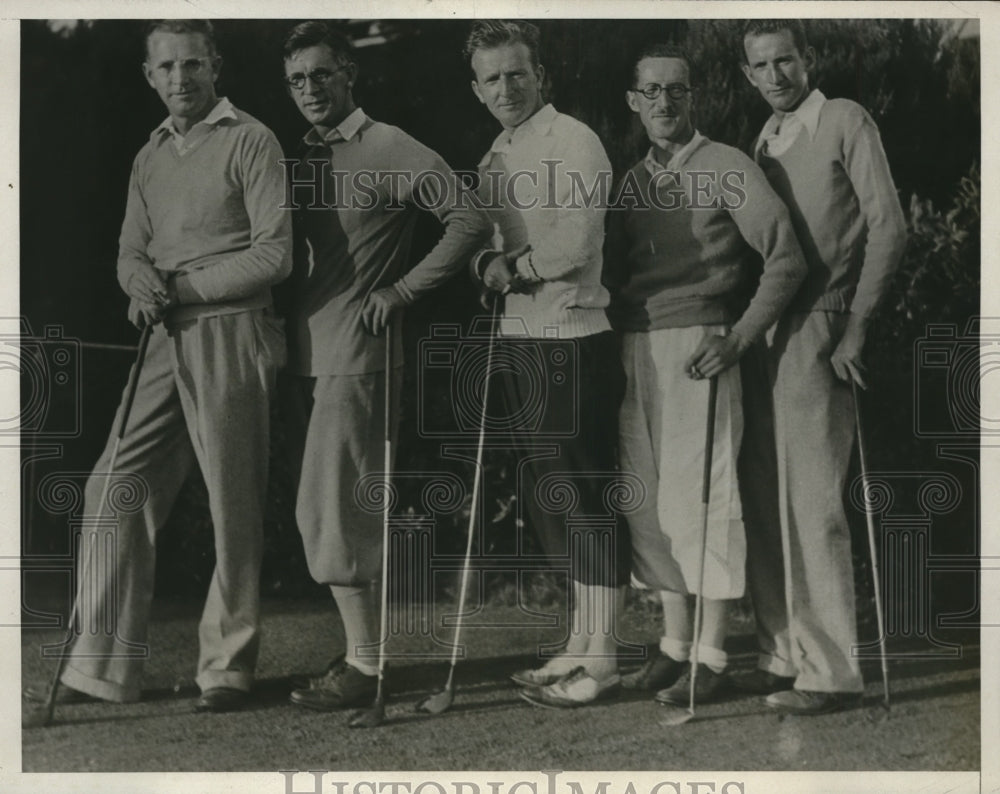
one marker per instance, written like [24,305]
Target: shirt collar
[344,131]
[680,157]
[540,123]
[807,112]
[223,110]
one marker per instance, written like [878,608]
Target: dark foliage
[85,111]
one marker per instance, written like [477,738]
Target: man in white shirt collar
[547,253]
[839,188]
[200,276]
[780,132]
[184,143]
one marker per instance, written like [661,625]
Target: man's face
[778,70]
[183,70]
[507,83]
[325,97]
[664,118]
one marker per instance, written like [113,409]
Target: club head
[676,716]
[436,703]
[36,716]
[370,717]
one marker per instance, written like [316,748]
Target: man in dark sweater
[693,219]
[825,159]
[351,275]
[203,240]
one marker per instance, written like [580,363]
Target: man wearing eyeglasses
[692,221]
[825,158]
[202,242]
[350,277]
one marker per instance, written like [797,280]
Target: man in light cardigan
[695,219]
[202,242]
[551,262]
[825,159]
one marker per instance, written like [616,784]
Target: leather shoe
[576,688]
[762,682]
[708,685]
[657,672]
[343,686]
[37,693]
[221,698]
[807,703]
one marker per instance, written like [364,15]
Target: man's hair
[661,50]
[202,26]
[760,27]
[315,34]
[488,34]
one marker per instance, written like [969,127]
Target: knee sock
[678,650]
[714,659]
[359,612]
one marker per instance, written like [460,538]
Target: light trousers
[662,440]
[203,398]
[800,569]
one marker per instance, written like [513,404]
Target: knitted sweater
[685,254]
[212,216]
[537,171]
[361,241]
[844,207]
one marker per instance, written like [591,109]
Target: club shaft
[476,486]
[87,548]
[706,489]
[873,552]
[386,506]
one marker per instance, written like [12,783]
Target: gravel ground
[933,723]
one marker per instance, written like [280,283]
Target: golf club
[442,700]
[870,520]
[680,716]
[39,716]
[375,714]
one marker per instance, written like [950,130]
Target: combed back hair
[661,50]
[314,34]
[202,26]
[759,27]
[488,34]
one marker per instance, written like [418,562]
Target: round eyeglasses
[318,76]
[653,90]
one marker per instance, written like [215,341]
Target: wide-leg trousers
[794,506]
[203,398]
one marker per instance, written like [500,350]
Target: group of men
[657,296]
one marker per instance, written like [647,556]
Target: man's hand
[379,307]
[715,355]
[147,285]
[846,359]
[500,273]
[141,314]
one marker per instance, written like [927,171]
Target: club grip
[133,383]
[713,393]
